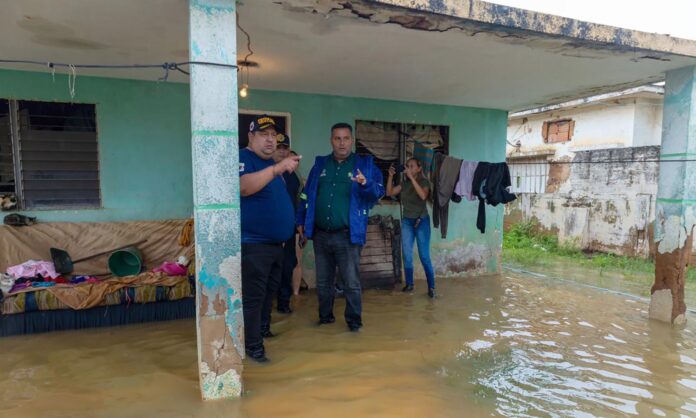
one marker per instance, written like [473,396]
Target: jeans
[289,263]
[261,268]
[332,249]
[421,234]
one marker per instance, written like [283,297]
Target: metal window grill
[396,144]
[55,154]
[7,176]
[529,175]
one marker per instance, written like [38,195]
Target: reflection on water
[631,282]
[512,345]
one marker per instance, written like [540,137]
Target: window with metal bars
[7,176]
[529,175]
[393,143]
[53,160]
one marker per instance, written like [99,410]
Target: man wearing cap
[341,189]
[294,186]
[267,222]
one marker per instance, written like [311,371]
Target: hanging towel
[424,154]
[466,179]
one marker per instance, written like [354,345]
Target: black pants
[331,250]
[289,263]
[261,268]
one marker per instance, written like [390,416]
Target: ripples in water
[510,346]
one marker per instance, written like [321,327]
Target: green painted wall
[144,139]
[145,151]
[475,134]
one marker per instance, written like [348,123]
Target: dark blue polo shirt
[267,215]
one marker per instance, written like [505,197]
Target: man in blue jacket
[333,211]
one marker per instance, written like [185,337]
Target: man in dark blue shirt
[267,223]
[294,186]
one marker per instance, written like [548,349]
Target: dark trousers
[331,250]
[289,263]
[261,268]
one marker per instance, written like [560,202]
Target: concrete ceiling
[305,46]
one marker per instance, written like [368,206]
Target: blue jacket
[362,198]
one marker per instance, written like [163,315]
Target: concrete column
[219,322]
[676,197]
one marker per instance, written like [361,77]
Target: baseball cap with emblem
[283,139]
[261,123]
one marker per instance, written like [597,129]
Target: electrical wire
[601,162]
[251,51]
[175,66]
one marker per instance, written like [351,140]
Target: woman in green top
[415,222]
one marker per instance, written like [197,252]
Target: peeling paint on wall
[474,18]
[462,259]
[673,231]
[676,215]
[220,322]
[227,385]
[584,33]
[597,207]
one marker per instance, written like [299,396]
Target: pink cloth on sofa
[33,268]
[172,269]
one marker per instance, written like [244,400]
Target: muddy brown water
[509,345]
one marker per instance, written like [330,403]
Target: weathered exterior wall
[618,123]
[215,161]
[598,207]
[675,215]
[647,127]
[512,18]
[144,136]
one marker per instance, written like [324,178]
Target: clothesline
[455,179]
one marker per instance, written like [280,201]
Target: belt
[332,231]
[268,244]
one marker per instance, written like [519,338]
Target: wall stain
[55,34]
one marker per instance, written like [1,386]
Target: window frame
[545,128]
[402,128]
[286,115]
[17,162]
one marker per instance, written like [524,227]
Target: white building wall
[647,127]
[594,206]
[602,126]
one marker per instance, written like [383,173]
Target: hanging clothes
[490,185]
[438,211]
[446,172]
[425,155]
[466,179]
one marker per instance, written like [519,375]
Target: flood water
[509,345]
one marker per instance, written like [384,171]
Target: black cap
[283,139]
[261,123]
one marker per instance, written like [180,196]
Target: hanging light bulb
[244,91]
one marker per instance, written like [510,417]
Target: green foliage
[523,244]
